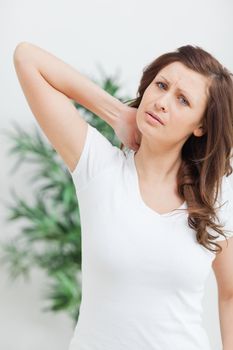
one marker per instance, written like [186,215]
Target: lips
[155,116]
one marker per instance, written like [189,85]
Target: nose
[160,104]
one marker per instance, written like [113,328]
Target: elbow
[20,51]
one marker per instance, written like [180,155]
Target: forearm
[70,82]
[226,322]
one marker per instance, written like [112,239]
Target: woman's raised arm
[48,84]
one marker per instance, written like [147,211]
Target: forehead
[186,79]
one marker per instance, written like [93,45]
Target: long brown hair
[205,159]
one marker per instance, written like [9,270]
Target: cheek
[181,115]
[181,122]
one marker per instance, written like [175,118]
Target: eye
[159,82]
[184,99]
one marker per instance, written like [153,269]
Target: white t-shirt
[143,273]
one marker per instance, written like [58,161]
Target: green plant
[51,239]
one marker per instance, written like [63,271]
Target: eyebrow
[181,90]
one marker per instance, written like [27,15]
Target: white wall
[123,36]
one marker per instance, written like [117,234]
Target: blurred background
[115,38]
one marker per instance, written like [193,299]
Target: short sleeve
[98,154]
[226,211]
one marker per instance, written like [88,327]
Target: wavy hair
[205,159]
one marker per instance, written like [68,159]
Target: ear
[199,131]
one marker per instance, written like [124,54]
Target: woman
[149,212]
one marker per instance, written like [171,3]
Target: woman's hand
[127,130]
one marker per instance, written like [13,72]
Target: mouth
[155,116]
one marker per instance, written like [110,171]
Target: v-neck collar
[139,196]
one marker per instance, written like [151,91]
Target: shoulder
[224,207]
[226,191]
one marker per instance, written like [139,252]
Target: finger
[135,147]
[138,139]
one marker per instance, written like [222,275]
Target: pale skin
[48,85]
[158,158]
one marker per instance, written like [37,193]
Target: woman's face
[178,95]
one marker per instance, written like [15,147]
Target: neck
[157,167]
